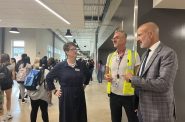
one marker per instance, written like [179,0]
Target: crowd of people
[12,70]
[144,88]
[42,97]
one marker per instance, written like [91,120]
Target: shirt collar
[66,64]
[126,51]
[154,46]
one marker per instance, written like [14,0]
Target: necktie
[144,62]
[142,69]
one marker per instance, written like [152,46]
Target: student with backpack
[23,71]
[38,94]
[18,63]
[6,84]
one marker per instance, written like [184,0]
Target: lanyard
[119,59]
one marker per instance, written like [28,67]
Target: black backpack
[5,75]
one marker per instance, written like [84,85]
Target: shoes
[23,101]
[26,96]
[6,117]
[9,116]
[3,118]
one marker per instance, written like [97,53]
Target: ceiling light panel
[21,13]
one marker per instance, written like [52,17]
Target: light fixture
[53,12]
[68,34]
[14,30]
[74,41]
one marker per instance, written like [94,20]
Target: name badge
[77,69]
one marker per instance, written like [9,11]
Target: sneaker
[3,119]
[26,96]
[9,116]
[23,101]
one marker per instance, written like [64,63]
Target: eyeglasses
[73,49]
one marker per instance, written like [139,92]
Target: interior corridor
[96,99]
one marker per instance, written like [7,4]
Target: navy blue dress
[72,105]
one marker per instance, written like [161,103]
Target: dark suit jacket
[156,94]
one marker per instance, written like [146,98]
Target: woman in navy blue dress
[73,77]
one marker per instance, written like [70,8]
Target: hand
[128,76]
[108,77]
[136,111]
[58,93]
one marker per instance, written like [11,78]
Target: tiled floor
[97,105]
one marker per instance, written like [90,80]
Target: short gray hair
[121,31]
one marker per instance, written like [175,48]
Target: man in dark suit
[155,78]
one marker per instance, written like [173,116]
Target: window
[49,51]
[17,49]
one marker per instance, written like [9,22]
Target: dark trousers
[91,72]
[35,104]
[100,76]
[116,104]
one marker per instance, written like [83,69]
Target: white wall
[36,41]
[28,35]
[43,40]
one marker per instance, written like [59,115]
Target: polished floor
[96,98]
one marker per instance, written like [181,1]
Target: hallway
[97,105]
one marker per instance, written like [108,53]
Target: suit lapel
[154,55]
[142,58]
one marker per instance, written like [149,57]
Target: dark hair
[25,60]
[52,61]
[24,55]
[44,63]
[5,58]
[13,60]
[100,61]
[28,60]
[67,45]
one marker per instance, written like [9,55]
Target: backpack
[34,79]
[2,74]
[5,75]
[21,75]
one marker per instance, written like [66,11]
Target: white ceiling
[29,14]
